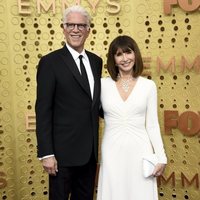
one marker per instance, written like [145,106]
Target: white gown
[131,130]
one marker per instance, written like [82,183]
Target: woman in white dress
[131,131]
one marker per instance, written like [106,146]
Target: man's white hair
[77,9]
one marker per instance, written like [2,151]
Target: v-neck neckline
[132,91]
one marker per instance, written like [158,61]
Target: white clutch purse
[149,163]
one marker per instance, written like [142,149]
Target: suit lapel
[96,82]
[70,63]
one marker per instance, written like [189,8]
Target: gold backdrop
[168,34]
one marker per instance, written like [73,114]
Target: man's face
[76,31]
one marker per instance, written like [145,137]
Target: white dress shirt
[86,63]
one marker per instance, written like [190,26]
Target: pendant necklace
[125,83]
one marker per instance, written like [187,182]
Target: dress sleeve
[152,125]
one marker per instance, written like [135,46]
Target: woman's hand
[159,169]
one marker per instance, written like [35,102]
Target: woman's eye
[129,52]
[118,54]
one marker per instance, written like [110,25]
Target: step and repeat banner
[168,34]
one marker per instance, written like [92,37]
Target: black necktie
[84,73]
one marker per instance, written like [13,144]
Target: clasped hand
[50,165]
[159,169]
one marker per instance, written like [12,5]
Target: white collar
[76,54]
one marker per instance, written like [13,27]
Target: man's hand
[50,165]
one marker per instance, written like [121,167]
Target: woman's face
[125,60]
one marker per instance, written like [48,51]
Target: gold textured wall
[170,45]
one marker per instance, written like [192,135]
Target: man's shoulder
[54,53]
[89,53]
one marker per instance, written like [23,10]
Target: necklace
[125,83]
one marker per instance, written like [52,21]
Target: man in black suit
[67,109]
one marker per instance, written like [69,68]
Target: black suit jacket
[66,116]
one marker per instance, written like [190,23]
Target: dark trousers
[77,182]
